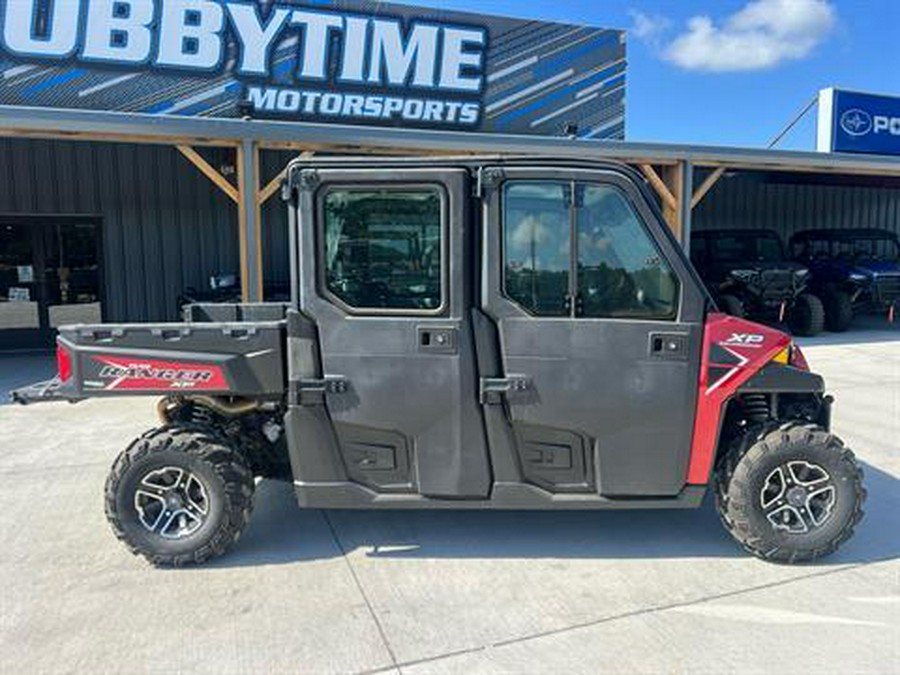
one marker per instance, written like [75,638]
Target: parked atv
[853,271]
[749,274]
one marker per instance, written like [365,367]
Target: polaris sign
[855,122]
[332,61]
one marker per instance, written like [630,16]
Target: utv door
[385,273]
[599,326]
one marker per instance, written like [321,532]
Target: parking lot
[423,592]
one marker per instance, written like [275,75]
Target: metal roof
[16,120]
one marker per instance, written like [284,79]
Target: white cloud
[648,27]
[761,35]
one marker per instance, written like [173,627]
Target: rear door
[385,271]
[600,326]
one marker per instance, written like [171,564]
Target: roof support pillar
[250,221]
[686,169]
[674,185]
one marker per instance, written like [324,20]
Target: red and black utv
[469,333]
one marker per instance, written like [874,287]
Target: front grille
[886,288]
[777,285]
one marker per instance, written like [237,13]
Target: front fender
[777,378]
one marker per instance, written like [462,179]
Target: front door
[600,330]
[385,275]
[50,275]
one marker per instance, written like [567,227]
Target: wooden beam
[207,170]
[706,186]
[659,185]
[673,181]
[271,187]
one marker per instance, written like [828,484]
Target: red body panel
[733,350]
[131,374]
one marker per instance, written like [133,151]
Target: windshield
[743,247]
[851,249]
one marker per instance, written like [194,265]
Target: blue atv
[854,270]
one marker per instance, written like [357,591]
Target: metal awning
[139,127]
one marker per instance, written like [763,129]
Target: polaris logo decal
[856,122]
[122,373]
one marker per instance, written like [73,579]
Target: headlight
[801,273]
[858,278]
[791,356]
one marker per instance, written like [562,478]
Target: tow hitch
[40,392]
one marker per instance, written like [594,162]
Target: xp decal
[112,373]
[347,61]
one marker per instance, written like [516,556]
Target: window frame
[386,186]
[574,182]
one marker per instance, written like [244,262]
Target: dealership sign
[855,122]
[344,61]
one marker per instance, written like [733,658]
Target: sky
[731,72]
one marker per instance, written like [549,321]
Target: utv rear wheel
[178,496]
[808,315]
[838,311]
[731,304]
[790,494]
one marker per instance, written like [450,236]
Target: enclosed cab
[854,270]
[470,333]
[750,275]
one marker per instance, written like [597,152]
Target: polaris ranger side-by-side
[853,270]
[469,333]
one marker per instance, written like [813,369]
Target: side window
[621,273]
[382,248]
[537,245]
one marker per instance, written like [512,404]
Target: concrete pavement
[442,592]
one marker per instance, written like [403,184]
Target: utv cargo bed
[220,349]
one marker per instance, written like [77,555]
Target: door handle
[437,339]
[669,346]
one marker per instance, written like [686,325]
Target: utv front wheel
[178,496]
[838,311]
[808,315]
[791,494]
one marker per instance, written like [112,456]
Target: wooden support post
[207,170]
[249,217]
[271,187]
[671,212]
[706,186]
[668,199]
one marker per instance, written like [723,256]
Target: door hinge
[492,389]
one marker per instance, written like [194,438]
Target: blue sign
[850,121]
[329,61]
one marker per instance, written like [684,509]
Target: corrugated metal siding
[276,257]
[165,226]
[751,202]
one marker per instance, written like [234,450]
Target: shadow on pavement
[280,533]
[20,368]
